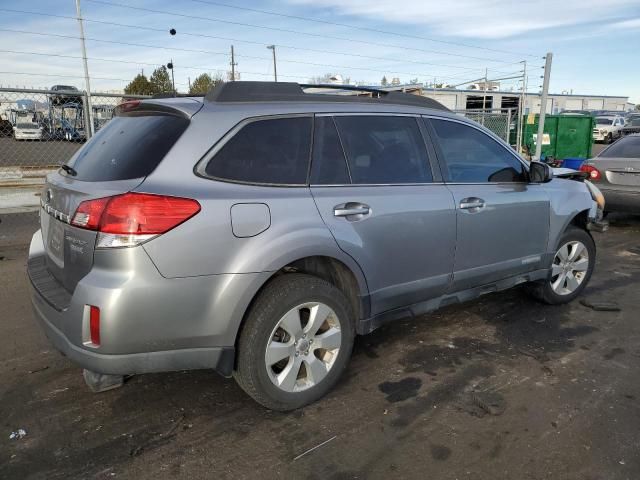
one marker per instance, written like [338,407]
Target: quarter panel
[206,245]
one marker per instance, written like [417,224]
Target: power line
[208,52]
[140,27]
[66,76]
[357,27]
[190,67]
[285,30]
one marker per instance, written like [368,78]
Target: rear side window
[384,149]
[272,151]
[472,156]
[128,147]
[329,166]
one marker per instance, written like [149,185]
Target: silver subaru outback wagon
[257,230]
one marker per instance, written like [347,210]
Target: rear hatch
[622,173]
[115,161]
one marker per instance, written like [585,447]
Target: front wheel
[570,271]
[609,138]
[295,343]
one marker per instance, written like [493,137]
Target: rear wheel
[295,343]
[570,270]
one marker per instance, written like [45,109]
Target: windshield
[626,147]
[604,121]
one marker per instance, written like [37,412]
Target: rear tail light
[594,173]
[132,218]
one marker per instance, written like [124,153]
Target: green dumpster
[566,136]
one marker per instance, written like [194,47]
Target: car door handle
[472,203]
[351,208]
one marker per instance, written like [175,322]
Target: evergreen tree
[203,83]
[140,85]
[161,81]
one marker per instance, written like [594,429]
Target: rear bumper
[220,359]
[148,323]
[621,201]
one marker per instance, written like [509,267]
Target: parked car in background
[608,128]
[616,171]
[632,120]
[27,125]
[64,94]
[257,230]
[6,128]
[27,131]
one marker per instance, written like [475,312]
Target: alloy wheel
[303,347]
[569,268]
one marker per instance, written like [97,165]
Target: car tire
[609,138]
[557,288]
[272,325]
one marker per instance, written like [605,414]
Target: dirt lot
[498,388]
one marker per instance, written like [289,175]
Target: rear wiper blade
[70,170]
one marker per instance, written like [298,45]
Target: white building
[456,99]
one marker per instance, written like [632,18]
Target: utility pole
[275,70]
[543,104]
[88,117]
[523,99]
[233,65]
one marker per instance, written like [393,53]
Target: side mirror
[540,172]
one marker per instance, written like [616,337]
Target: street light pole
[88,116]
[275,70]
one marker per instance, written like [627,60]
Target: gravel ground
[502,387]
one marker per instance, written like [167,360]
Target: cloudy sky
[594,43]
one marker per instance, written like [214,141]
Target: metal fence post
[508,132]
[88,120]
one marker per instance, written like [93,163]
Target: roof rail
[232,92]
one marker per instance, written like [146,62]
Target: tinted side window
[274,151]
[471,156]
[128,147]
[328,167]
[383,149]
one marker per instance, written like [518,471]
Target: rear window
[272,151]
[128,147]
[627,147]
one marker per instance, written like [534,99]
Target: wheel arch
[345,274]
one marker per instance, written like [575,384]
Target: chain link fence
[502,122]
[40,129]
